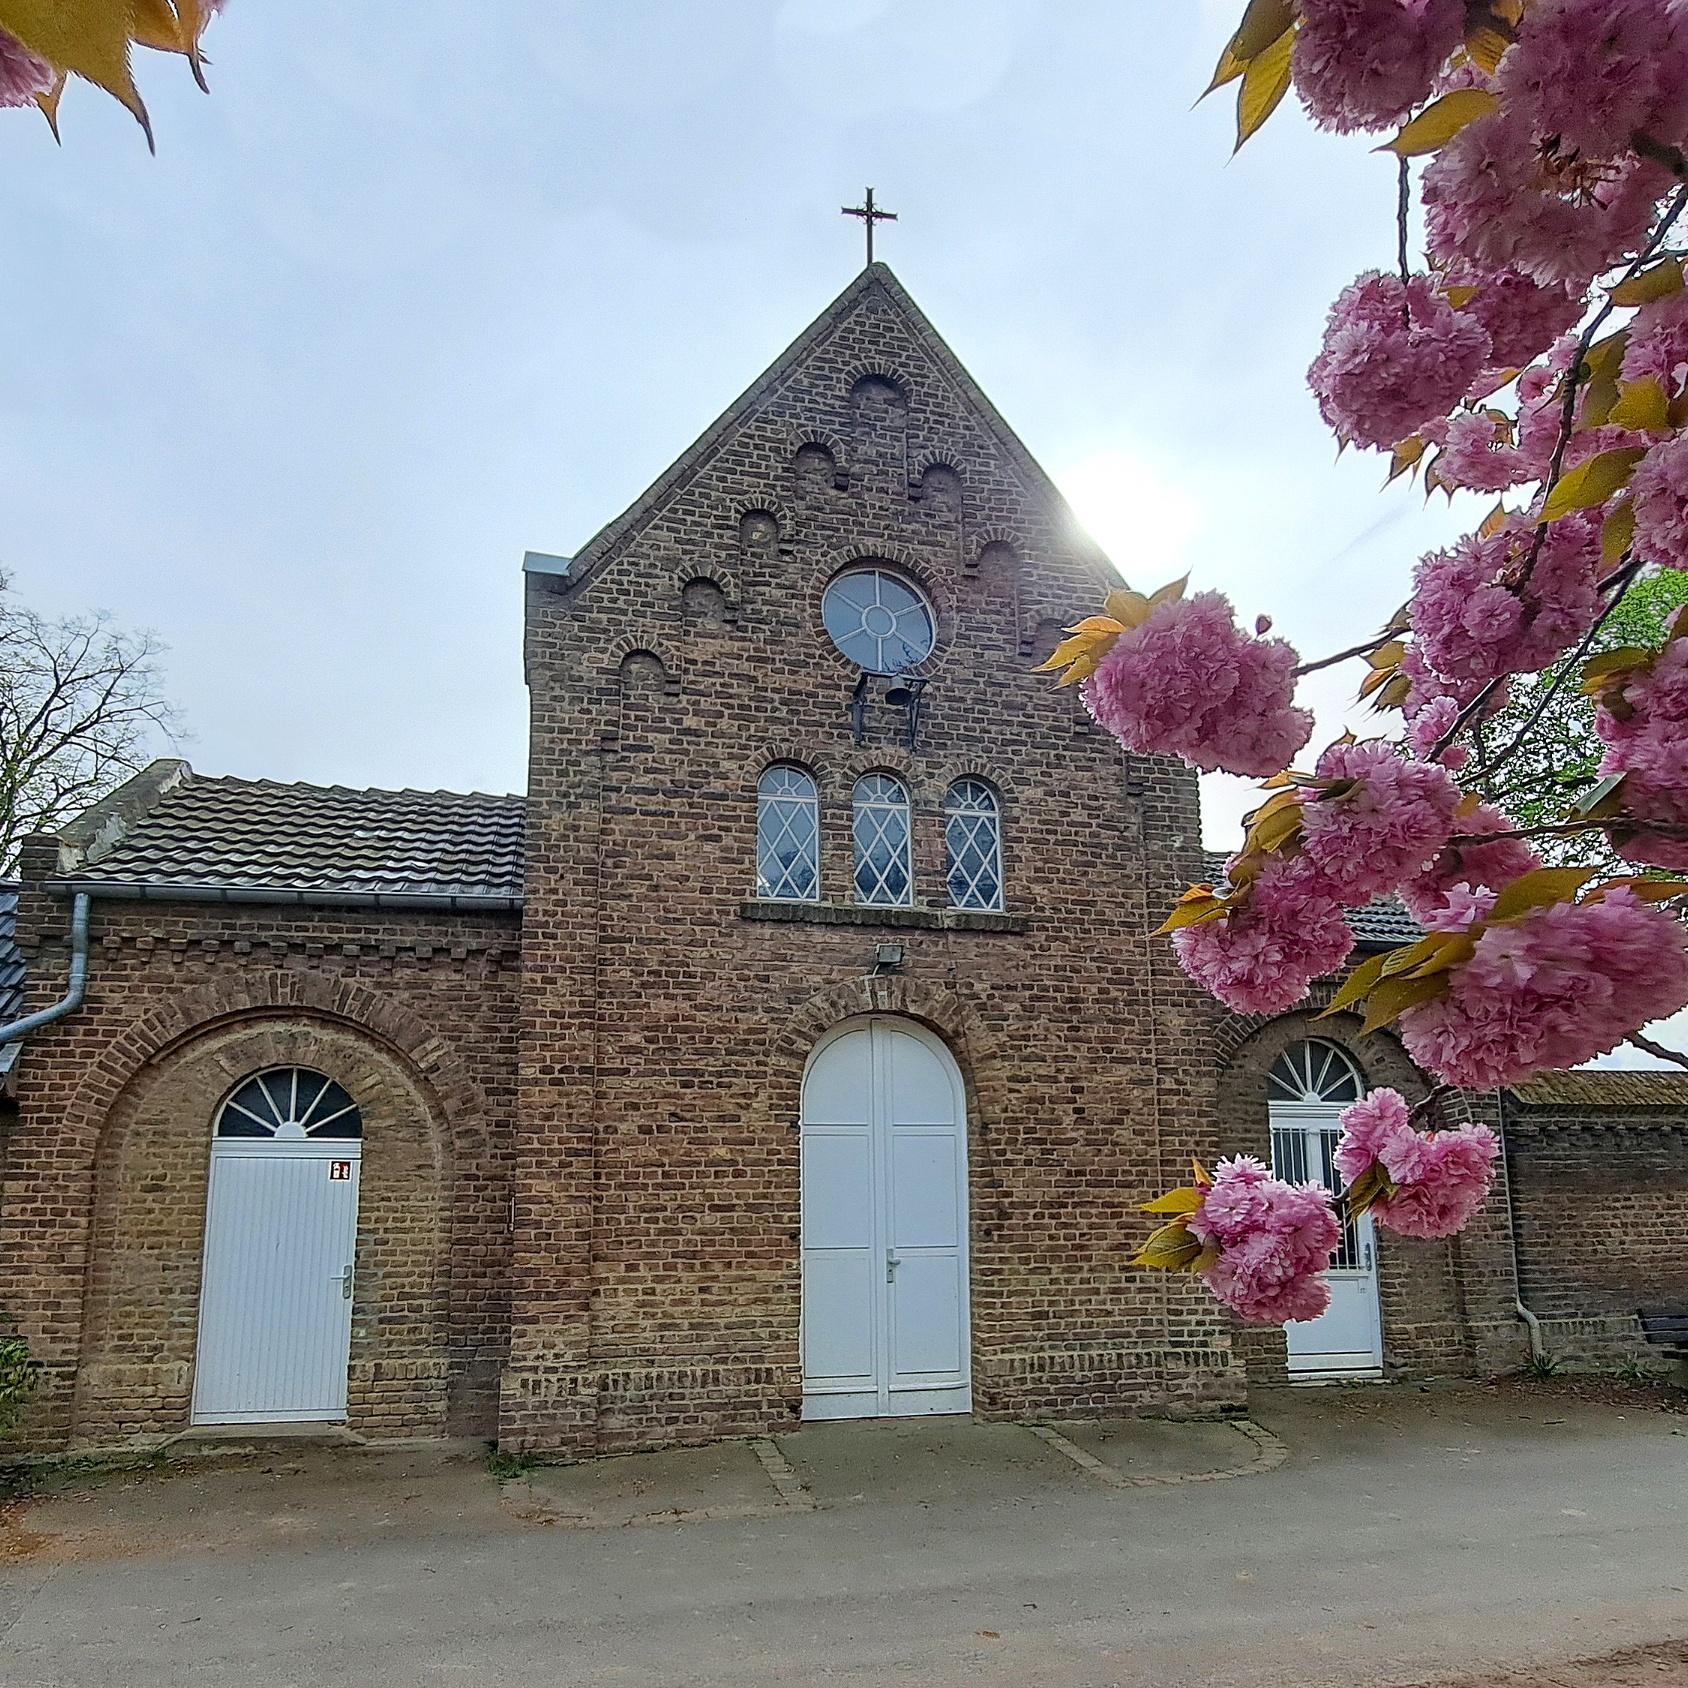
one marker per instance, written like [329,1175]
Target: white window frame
[874,812]
[780,808]
[974,805]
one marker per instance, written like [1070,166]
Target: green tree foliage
[1557,760]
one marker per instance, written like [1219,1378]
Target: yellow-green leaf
[1643,405]
[1358,983]
[1536,890]
[1592,482]
[1388,655]
[1173,590]
[1460,297]
[1440,121]
[1264,22]
[1659,282]
[1606,356]
[1126,606]
[1617,533]
[1192,911]
[1229,68]
[1601,800]
[1171,1248]
[1394,997]
[88,38]
[1648,890]
[1485,41]
[1405,456]
[1185,1200]
[1493,522]
[49,104]
[1366,1189]
[1263,86]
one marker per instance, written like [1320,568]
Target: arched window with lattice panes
[882,832]
[788,835]
[973,845]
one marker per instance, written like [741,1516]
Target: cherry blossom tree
[45,42]
[1535,353]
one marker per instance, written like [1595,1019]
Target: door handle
[345,1282]
[1365,1259]
[891,1265]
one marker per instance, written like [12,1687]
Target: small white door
[275,1303]
[884,1151]
[1347,1338]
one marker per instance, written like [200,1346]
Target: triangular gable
[878,275]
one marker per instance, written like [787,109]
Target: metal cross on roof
[869,214]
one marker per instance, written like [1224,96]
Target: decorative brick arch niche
[151,1157]
[1441,1303]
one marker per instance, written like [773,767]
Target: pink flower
[1286,930]
[1593,72]
[1472,619]
[1659,489]
[1648,742]
[1478,454]
[1396,355]
[1436,1180]
[1428,725]
[1554,988]
[1506,196]
[1658,344]
[1442,895]
[1275,1239]
[1364,64]
[23,74]
[1395,818]
[1521,316]
[1189,682]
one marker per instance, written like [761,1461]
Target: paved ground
[1377,1536]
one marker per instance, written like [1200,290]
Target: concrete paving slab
[927,1462]
[676,1485]
[1161,1448]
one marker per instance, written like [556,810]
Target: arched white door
[884,1145]
[1309,1086]
[275,1300]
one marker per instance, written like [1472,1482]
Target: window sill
[864,914]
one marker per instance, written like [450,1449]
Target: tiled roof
[258,835]
[11,967]
[1602,1087]
[1381,924]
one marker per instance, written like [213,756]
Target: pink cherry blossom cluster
[23,74]
[1286,930]
[1522,317]
[1364,64]
[1396,355]
[1275,1241]
[1457,887]
[1437,1180]
[1554,988]
[1660,493]
[1391,822]
[1476,615]
[1189,682]
[1648,743]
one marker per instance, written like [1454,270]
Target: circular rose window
[879,620]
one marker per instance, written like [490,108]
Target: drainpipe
[72,998]
[1538,1343]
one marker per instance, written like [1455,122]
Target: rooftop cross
[869,214]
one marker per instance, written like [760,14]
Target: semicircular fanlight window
[289,1103]
[1314,1071]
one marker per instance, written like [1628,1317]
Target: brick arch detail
[937,457]
[799,751]
[780,511]
[985,537]
[824,437]
[970,768]
[686,574]
[193,1013]
[642,642]
[881,369]
[888,759]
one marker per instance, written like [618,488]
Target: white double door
[1347,1339]
[275,1306]
[884,1150]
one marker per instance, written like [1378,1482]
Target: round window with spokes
[879,619]
[287,1104]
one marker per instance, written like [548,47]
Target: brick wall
[667,1017]
[102,1205]
[1601,1197]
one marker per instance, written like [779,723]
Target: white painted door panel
[885,1326]
[275,1313]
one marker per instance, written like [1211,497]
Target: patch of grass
[1633,1370]
[1542,1367]
[504,1465]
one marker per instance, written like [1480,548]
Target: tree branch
[1657,1050]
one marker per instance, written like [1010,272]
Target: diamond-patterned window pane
[788,836]
[884,862]
[973,845]
[1313,1071]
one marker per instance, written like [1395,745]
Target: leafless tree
[80,708]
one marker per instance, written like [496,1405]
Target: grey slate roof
[11,968]
[1605,1087]
[1382,924]
[258,835]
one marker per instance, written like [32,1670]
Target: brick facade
[579,1225]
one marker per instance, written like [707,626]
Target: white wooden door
[1346,1339]
[275,1306]
[884,1150]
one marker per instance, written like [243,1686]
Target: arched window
[289,1102]
[1314,1071]
[973,845]
[882,834]
[788,835]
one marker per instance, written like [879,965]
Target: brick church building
[794,1049]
